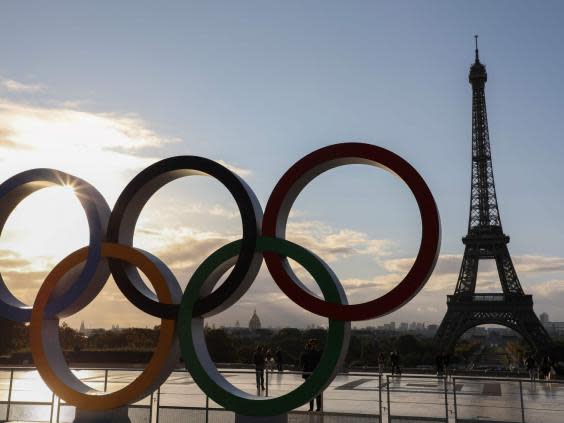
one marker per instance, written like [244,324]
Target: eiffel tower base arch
[512,311]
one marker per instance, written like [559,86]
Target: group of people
[543,369]
[265,359]
[394,363]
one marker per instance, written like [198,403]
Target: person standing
[446,364]
[546,367]
[439,363]
[381,362]
[269,360]
[279,362]
[531,366]
[259,361]
[394,358]
[309,361]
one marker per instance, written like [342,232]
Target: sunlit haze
[257,86]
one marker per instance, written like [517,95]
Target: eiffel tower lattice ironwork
[486,240]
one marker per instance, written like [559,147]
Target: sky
[102,90]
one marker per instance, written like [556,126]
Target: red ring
[312,165]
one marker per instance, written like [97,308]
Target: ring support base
[117,415]
[281,418]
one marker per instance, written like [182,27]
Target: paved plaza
[351,397]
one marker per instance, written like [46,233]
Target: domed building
[254,323]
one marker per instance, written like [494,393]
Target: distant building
[553,328]
[476,333]
[389,326]
[88,331]
[432,329]
[254,323]
[404,326]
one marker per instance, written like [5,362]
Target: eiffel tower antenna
[485,240]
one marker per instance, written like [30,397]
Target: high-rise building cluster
[420,327]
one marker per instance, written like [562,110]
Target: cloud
[447,269]
[10,260]
[106,149]
[213,210]
[442,282]
[235,169]
[430,303]
[333,244]
[538,264]
[22,275]
[552,289]
[182,248]
[6,139]
[43,127]
[446,264]
[14,261]
[450,264]
[24,284]
[377,285]
[20,87]
[183,245]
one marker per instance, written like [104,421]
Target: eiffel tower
[486,240]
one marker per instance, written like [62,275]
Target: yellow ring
[48,355]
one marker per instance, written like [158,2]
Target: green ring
[203,370]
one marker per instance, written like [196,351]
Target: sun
[43,229]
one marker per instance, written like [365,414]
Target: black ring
[124,217]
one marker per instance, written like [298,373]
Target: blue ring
[79,290]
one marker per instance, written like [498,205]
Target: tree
[13,336]
[408,344]
[220,346]
[69,338]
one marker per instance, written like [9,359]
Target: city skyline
[394,77]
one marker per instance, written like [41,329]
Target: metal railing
[356,397]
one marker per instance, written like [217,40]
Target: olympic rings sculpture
[77,279]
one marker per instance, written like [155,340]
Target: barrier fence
[352,397]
